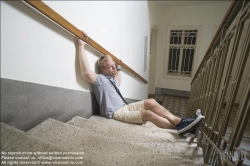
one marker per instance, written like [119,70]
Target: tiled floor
[176,105]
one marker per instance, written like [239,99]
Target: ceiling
[178,3]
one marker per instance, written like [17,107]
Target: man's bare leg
[159,121]
[155,107]
[163,118]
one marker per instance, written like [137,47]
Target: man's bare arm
[84,64]
[118,73]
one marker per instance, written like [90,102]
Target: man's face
[110,67]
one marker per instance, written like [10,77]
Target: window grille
[182,44]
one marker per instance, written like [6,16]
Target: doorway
[153,48]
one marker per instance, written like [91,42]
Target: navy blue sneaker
[197,113]
[194,131]
[187,125]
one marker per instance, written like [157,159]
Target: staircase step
[134,131]
[167,144]
[102,149]
[148,129]
[16,143]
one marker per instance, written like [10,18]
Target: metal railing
[221,89]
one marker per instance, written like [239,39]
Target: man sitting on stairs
[106,90]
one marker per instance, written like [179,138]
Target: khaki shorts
[130,113]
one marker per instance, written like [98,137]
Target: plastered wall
[208,17]
[36,50]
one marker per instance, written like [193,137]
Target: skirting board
[26,104]
[171,92]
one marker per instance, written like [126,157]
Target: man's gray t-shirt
[106,95]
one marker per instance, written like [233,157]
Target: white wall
[36,50]
[154,13]
[207,16]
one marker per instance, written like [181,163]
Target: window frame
[167,48]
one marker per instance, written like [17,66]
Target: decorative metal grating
[181,52]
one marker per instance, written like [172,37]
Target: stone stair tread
[102,149]
[135,130]
[149,129]
[16,143]
[168,144]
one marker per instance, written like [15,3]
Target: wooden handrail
[50,13]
